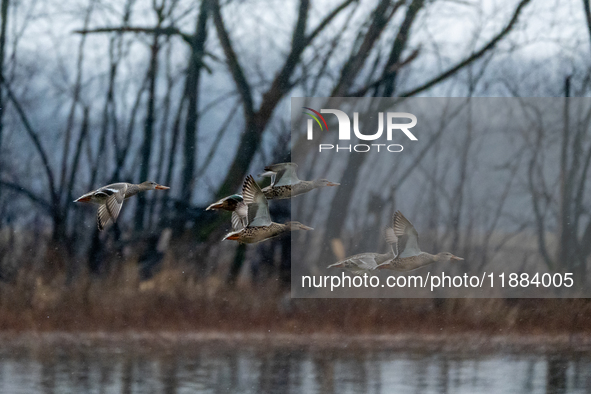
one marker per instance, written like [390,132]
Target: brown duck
[110,199]
[286,184]
[410,256]
[367,262]
[251,220]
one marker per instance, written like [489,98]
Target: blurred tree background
[195,95]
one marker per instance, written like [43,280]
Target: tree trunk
[148,134]
[4,16]
[192,118]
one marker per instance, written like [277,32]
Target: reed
[41,290]
[174,300]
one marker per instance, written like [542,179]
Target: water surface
[156,364]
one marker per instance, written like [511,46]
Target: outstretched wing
[366,262]
[103,217]
[391,239]
[269,174]
[285,173]
[237,224]
[257,205]
[408,238]
[240,217]
[112,206]
[115,202]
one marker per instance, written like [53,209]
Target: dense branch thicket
[195,95]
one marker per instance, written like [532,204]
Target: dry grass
[175,300]
[39,297]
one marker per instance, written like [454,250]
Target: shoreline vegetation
[457,343]
[177,300]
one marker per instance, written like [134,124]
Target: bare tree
[4,16]
[149,122]
[257,119]
[562,207]
[126,137]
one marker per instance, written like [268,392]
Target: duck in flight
[251,221]
[367,262]
[410,256]
[110,199]
[286,184]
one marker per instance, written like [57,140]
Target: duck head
[297,226]
[150,185]
[446,256]
[228,204]
[324,182]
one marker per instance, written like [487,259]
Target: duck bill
[231,237]
[306,228]
[333,184]
[214,206]
[456,258]
[160,187]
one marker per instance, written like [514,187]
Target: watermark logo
[315,116]
[391,119]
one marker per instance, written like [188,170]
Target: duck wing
[257,205]
[408,237]
[114,201]
[239,217]
[269,174]
[391,239]
[285,173]
[237,224]
[103,217]
[365,262]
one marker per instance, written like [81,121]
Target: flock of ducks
[251,221]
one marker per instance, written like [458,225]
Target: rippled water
[132,365]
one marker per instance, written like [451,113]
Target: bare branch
[539,212]
[398,48]
[327,20]
[475,56]
[36,142]
[446,120]
[391,72]
[165,31]
[192,84]
[75,100]
[381,15]
[32,196]
[281,84]
[235,67]
[4,15]
[77,154]
[256,122]
[587,15]
[218,139]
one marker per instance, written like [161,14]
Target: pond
[169,363]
